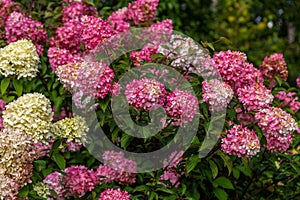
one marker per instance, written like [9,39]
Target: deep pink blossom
[114,194]
[255,97]
[181,107]
[79,180]
[18,26]
[76,10]
[289,99]
[6,7]
[235,70]
[68,37]
[241,142]
[58,57]
[145,94]
[144,54]
[118,20]
[2,105]
[142,10]
[298,81]
[94,31]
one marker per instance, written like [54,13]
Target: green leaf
[4,85]
[24,191]
[40,164]
[223,182]
[227,161]
[220,194]
[166,190]
[236,173]
[192,162]
[153,195]
[18,86]
[213,168]
[60,160]
[141,188]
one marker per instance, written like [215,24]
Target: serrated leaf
[213,168]
[220,194]
[4,85]
[223,182]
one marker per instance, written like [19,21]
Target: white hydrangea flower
[30,114]
[72,129]
[19,58]
[42,190]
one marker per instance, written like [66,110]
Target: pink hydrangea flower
[117,168]
[58,57]
[289,100]
[94,78]
[145,94]
[7,6]
[255,97]
[18,26]
[161,28]
[181,107]
[241,142]
[277,126]
[73,146]
[272,66]
[118,20]
[141,10]
[143,55]
[218,94]
[115,89]
[68,37]
[94,31]
[235,70]
[44,148]
[54,182]
[171,173]
[79,180]
[114,194]
[76,10]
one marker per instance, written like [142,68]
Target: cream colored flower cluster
[73,129]
[19,58]
[42,190]
[17,155]
[30,114]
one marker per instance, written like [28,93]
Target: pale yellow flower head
[30,114]
[19,58]
[72,129]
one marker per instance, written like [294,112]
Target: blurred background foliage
[257,27]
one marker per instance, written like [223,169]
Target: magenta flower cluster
[118,20]
[114,194]
[298,81]
[145,94]
[289,100]
[18,26]
[235,70]
[75,10]
[181,106]
[255,97]
[171,172]
[141,10]
[272,66]
[217,93]
[241,142]
[278,127]
[117,168]
[77,181]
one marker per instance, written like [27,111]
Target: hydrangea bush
[45,72]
